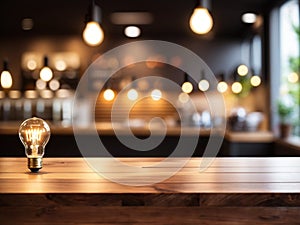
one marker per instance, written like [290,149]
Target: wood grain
[231,191]
[231,175]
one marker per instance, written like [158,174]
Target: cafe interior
[142,81]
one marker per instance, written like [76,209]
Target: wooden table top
[225,175]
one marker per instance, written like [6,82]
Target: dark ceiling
[170,17]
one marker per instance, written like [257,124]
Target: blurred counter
[11,128]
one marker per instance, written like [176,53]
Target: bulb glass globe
[201,21]
[93,34]
[242,70]
[132,94]
[293,77]
[34,133]
[187,87]
[6,79]
[109,94]
[222,87]
[46,74]
[183,98]
[156,94]
[203,85]
[236,87]
[132,31]
[255,81]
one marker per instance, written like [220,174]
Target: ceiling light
[203,85]
[27,24]
[249,17]
[222,87]
[201,21]
[183,97]
[255,81]
[187,87]
[54,85]
[293,77]
[93,34]
[132,94]
[124,18]
[46,73]
[60,65]
[156,94]
[242,70]
[236,87]
[40,84]
[109,94]
[31,64]
[6,78]
[132,31]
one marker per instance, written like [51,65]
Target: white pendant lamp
[46,73]
[6,78]
[186,87]
[93,34]
[201,21]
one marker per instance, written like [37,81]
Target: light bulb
[93,34]
[293,77]
[46,74]
[132,31]
[132,94]
[236,87]
[156,94]
[201,21]
[242,70]
[34,133]
[6,79]
[40,84]
[31,64]
[187,87]
[54,85]
[222,86]
[203,85]
[255,81]
[183,98]
[109,94]
[249,17]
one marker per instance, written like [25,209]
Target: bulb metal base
[35,164]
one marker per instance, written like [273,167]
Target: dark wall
[221,55]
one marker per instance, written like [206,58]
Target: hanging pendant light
[108,94]
[186,87]
[93,34]
[201,21]
[132,94]
[255,80]
[46,73]
[222,85]
[236,87]
[6,78]
[203,84]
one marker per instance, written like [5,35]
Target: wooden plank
[80,163]
[231,191]
[71,175]
[180,177]
[70,187]
[54,214]
[149,200]
[184,176]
